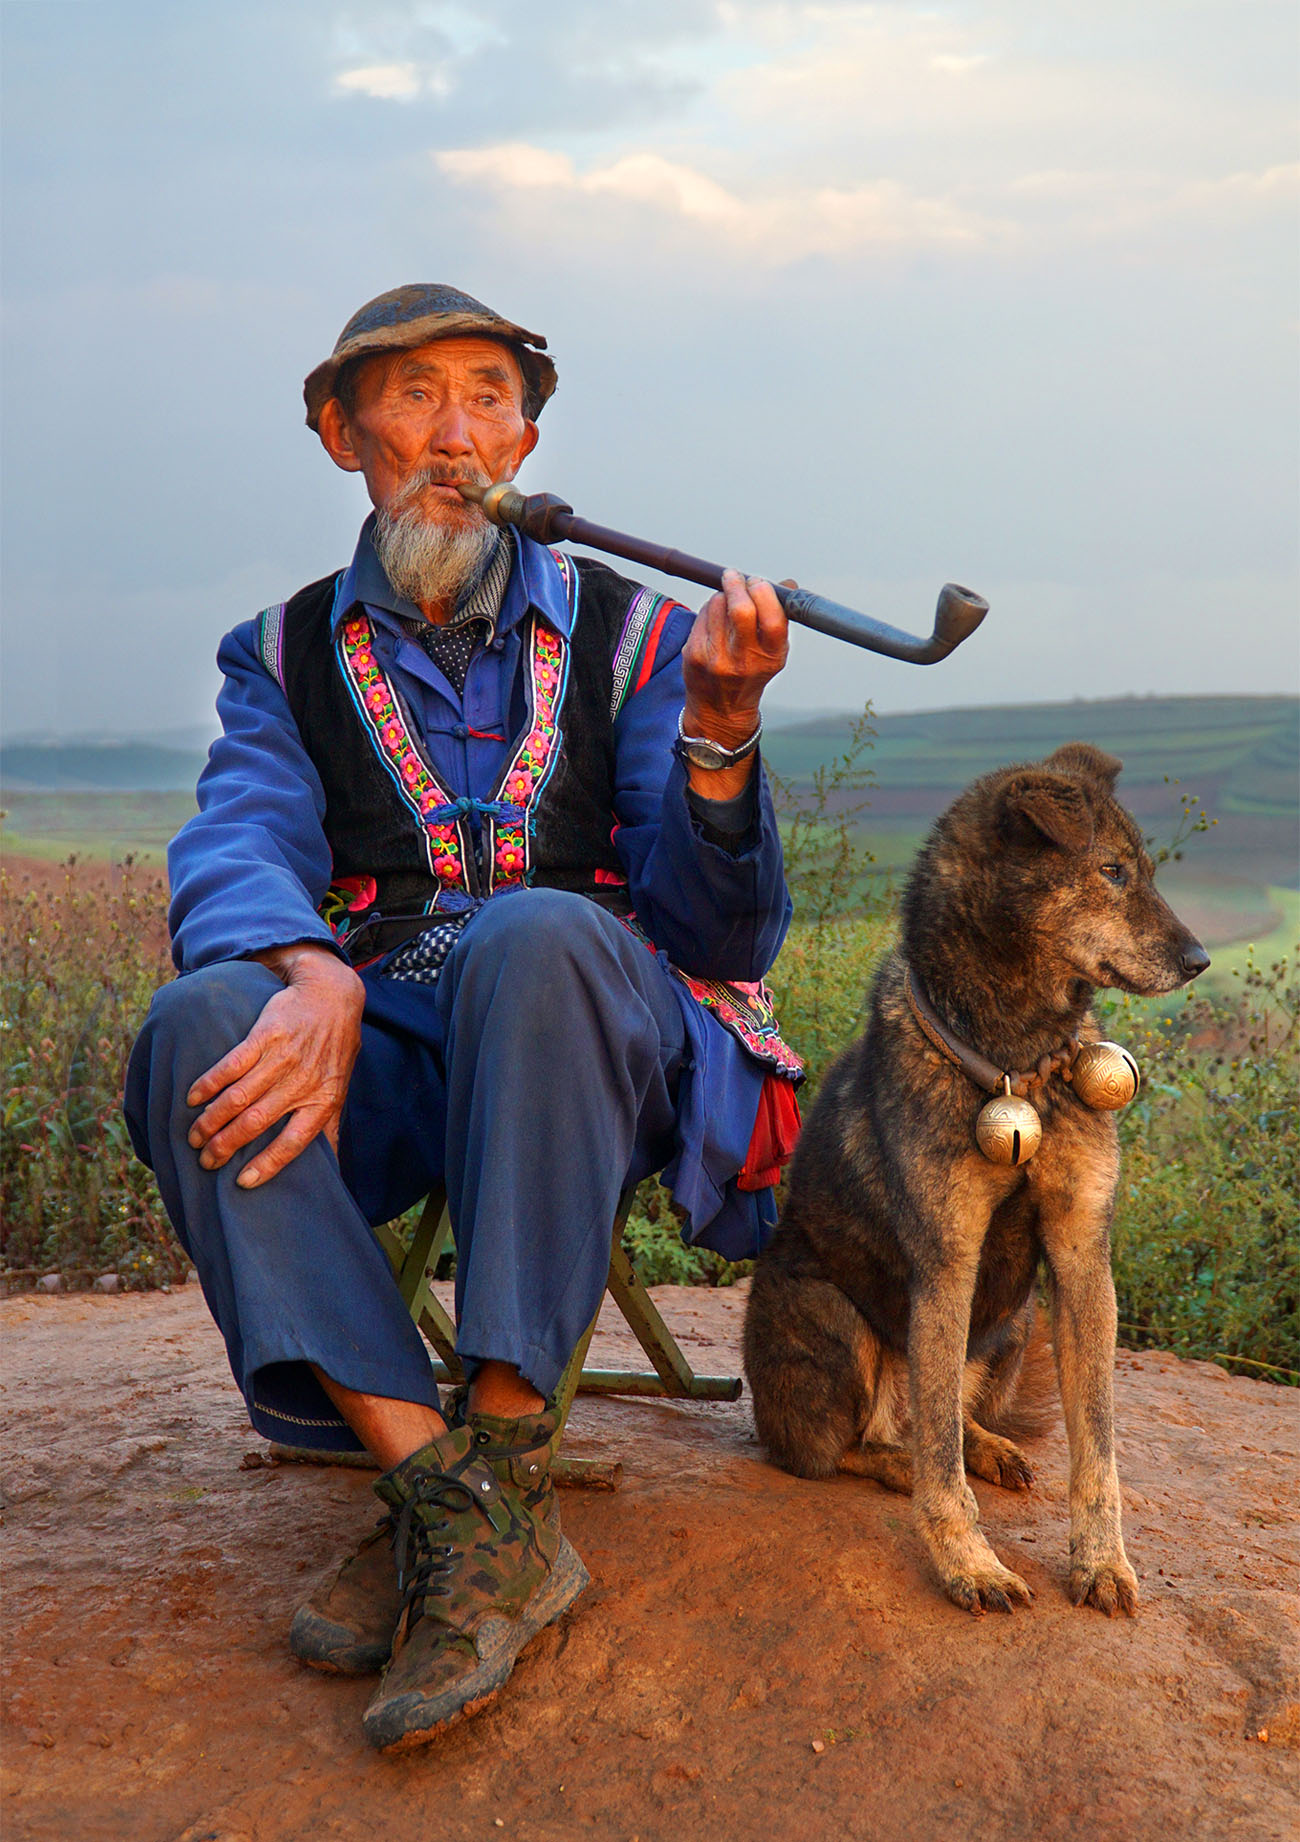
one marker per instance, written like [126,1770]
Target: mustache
[419,482]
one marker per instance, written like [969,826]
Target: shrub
[83,950]
[1207,1258]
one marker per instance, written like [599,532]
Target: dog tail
[1030,1404]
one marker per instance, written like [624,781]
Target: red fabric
[652,645]
[775,1134]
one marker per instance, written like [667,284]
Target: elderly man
[483,838]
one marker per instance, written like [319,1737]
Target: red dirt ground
[738,1618]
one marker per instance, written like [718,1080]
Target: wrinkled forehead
[477,360]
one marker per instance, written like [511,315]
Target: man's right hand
[296,1060]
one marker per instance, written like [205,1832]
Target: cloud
[1118,202]
[392,82]
[779,226]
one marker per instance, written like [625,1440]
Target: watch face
[705,756]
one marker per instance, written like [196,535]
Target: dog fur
[900,1285]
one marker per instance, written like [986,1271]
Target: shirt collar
[535,583]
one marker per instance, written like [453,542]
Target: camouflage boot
[482,1567]
[346,1627]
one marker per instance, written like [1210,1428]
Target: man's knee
[541,930]
[195,1020]
[564,969]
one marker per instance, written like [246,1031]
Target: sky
[876,296]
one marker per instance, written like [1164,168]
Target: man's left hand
[739,642]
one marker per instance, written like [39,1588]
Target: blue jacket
[248,872]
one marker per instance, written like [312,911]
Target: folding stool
[672,1375]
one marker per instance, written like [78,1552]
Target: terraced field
[1241,752]
[1240,756]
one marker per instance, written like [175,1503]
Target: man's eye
[1114,873]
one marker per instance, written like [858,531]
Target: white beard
[426,561]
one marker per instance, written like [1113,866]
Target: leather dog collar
[978,1068]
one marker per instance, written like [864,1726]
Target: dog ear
[1054,805]
[1088,763]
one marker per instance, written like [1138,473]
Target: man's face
[452,410]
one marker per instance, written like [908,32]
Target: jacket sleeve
[716,912]
[248,870]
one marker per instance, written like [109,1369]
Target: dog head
[1048,861]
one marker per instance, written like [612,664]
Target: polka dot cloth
[451,647]
[421,960]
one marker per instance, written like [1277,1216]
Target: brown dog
[902,1250]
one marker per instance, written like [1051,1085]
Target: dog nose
[1193,960]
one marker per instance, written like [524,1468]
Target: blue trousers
[535,1079]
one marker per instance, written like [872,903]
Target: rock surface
[757,1657]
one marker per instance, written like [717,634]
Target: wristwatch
[709,755]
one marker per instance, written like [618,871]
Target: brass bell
[1008,1131]
[1104,1076]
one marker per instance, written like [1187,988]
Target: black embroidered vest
[401,842]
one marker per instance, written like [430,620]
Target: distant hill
[1243,750]
[1239,755]
[98,767]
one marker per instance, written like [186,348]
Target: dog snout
[1193,960]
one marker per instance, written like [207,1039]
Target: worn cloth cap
[413,315]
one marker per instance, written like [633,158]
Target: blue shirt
[248,871]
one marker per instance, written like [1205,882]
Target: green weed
[83,950]
[1207,1256]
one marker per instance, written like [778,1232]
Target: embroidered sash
[743,1007]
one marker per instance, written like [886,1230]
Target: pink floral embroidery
[507,840]
[348,895]
[377,699]
[743,1008]
[746,1010]
[523,779]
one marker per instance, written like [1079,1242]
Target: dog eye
[1115,873]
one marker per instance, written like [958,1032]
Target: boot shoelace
[424,1566]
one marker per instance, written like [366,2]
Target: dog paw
[997,1461]
[1111,1586]
[989,1590]
[979,1583]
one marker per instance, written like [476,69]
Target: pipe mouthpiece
[501,504]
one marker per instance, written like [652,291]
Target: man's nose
[450,434]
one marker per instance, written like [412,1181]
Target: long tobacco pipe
[548,519]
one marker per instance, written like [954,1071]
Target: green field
[100,827]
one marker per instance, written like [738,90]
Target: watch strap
[710,755]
